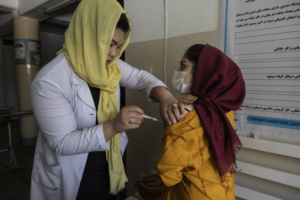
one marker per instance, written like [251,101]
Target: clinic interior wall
[51,38]
[2,97]
[144,143]
[8,94]
[270,161]
[50,44]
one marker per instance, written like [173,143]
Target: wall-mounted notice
[27,52]
[263,38]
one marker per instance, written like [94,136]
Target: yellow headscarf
[86,47]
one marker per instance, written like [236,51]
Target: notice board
[263,38]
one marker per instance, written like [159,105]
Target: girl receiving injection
[198,152]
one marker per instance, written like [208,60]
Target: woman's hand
[171,109]
[129,117]
[187,99]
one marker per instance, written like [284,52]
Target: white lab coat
[65,112]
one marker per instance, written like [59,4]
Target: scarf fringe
[232,158]
[231,170]
[118,190]
[115,193]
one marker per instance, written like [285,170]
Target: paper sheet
[263,38]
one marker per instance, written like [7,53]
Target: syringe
[151,118]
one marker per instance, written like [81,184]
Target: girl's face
[187,66]
[115,45]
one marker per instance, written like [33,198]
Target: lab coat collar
[84,93]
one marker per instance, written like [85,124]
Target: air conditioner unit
[61,6]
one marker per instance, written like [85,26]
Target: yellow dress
[187,166]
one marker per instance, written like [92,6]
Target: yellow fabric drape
[187,166]
[86,47]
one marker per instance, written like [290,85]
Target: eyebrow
[182,62]
[114,41]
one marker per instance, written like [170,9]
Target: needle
[151,118]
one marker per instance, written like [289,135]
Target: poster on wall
[263,38]
[27,51]
[34,51]
[20,49]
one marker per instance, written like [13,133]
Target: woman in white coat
[75,99]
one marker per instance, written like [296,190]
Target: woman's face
[186,66]
[115,45]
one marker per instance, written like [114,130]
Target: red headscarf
[219,85]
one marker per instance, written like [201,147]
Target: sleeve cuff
[104,146]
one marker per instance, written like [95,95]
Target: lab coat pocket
[48,177]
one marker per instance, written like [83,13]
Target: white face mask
[178,83]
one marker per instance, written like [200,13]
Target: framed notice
[263,38]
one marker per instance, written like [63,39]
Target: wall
[2,86]
[189,22]
[27,5]
[10,3]
[2,97]
[52,38]
[48,47]
[9,74]
[4,18]
[276,166]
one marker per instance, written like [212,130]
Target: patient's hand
[187,99]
